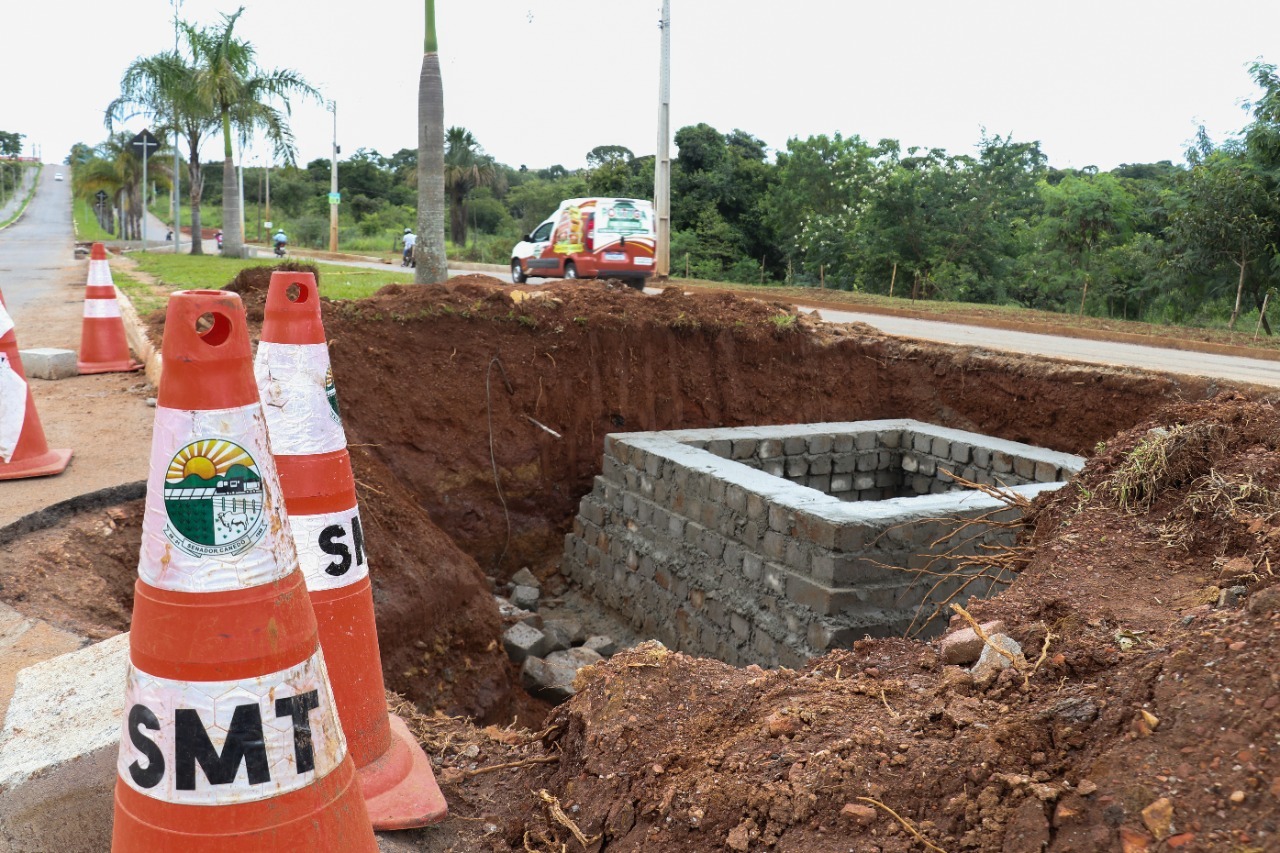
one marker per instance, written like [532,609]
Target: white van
[590,238]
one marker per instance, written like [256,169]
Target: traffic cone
[103,346]
[23,450]
[230,737]
[310,448]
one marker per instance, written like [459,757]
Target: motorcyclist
[410,240]
[279,240]
[217,235]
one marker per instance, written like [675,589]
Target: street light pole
[333,183]
[662,174]
[177,182]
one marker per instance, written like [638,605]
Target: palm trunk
[458,222]
[232,224]
[432,264]
[195,189]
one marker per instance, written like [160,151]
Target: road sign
[144,144]
[335,198]
[101,196]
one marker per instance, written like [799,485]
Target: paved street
[104,419]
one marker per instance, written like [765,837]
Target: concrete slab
[58,751]
[25,642]
[49,363]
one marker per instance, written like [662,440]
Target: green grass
[87,227]
[210,214]
[144,299]
[209,272]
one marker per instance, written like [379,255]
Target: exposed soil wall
[417,372]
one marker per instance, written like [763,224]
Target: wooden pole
[789,276]
[1261,314]
[822,276]
[762,270]
[893,278]
[1084,294]
[686,264]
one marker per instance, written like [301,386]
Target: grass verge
[86,224]
[978,314]
[26,201]
[209,272]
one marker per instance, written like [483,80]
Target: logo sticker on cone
[103,346]
[230,739]
[310,447]
[23,449]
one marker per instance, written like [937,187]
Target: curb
[43,519]
[136,334]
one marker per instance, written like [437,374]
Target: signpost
[143,144]
[101,197]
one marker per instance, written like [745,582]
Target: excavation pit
[771,545]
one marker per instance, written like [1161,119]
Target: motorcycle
[407,259]
[280,250]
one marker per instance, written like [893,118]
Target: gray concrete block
[58,751]
[820,444]
[49,363]
[522,641]
[794,445]
[745,448]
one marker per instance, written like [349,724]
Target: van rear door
[624,236]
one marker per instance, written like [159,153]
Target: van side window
[543,233]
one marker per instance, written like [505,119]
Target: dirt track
[662,752]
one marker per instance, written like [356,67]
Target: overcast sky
[544,81]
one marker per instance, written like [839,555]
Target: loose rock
[601,644]
[525,597]
[524,577]
[523,641]
[965,646]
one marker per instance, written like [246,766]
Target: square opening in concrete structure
[773,544]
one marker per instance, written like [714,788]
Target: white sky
[1097,82]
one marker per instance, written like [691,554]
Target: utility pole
[177,182]
[334,198]
[662,174]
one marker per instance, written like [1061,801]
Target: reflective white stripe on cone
[216,743]
[296,383]
[13,405]
[330,548]
[101,308]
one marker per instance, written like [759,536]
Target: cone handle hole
[298,293]
[213,328]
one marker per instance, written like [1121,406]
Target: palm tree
[115,169]
[432,265]
[163,87]
[466,167]
[227,76]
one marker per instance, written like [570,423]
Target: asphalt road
[36,251]
[1224,367]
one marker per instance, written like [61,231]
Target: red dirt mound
[1141,719]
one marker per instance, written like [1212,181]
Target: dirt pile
[1142,719]
[448,382]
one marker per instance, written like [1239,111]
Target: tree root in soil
[906,824]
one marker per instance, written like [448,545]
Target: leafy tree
[227,77]
[432,265]
[1227,214]
[608,154]
[466,167]
[11,143]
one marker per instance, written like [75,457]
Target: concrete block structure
[772,544]
[49,363]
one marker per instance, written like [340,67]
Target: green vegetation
[186,272]
[145,299]
[86,221]
[14,174]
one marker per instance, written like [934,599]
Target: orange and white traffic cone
[103,346]
[310,448]
[23,449]
[230,738]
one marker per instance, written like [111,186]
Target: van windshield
[624,217]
